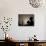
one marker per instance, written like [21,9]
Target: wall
[11,8]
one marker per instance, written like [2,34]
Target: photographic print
[26,20]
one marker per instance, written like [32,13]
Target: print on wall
[36,3]
[26,20]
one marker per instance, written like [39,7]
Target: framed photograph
[25,19]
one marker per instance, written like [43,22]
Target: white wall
[11,8]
